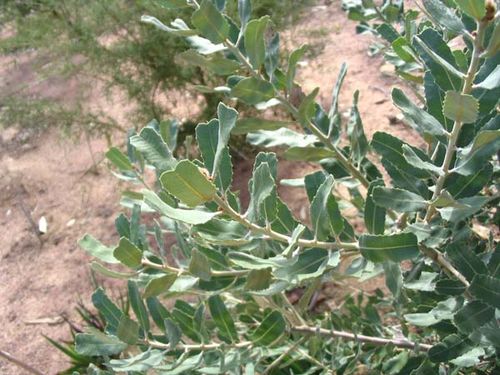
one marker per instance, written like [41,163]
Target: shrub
[215,302]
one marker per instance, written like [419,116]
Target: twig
[19,363]
[361,338]
[281,237]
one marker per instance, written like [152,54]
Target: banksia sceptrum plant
[215,302]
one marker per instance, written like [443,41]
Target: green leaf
[199,265]
[469,359]
[138,305]
[96,249]
[159,285]
[463,208]
[308,153]
[258,279]
[460,108]
[249,125]
[157,311]
[128,330]
[486,289]
[310,264]
[111,313]
[99,268]
[436,53]
[293,60]
[417,117]
[334,109]
[473,315]
[307,108]
[468,263]
[120,161]
[210,22]
[396,247]
[207,136]
[96,343]
[227,121]
[374,215]
[491,82]
[177,27]
[473,157]
[444,16]
[174,4]
[325,214]
[451,347]
[252,262]
[355,132]
[173,333]
[141,363]
[466,186]
[216,64]
[150,144]
[193,217]
[393,278]
[253,90]
[262,190]
[444,310]
[391,149]
[255,46]
[188,184]
[398,199]
[222,318]
[244,11]
[474,8]
[449,68]
[450,287]
[416,160]
[128,254]
[270,330]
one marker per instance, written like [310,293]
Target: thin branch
[180,271]
[400,343]
[281,237]
[19,363]
[202,347]
[457,126]
[278,360]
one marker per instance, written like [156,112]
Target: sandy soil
[42,278]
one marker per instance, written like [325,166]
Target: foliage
[104,43]
[441,315]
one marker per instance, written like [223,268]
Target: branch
[400,343]
[181,271]
[457,126]
[281,237]
[202,347]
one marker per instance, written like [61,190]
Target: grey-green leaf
[188,184]
[325,214]
[486,289]
[199,265]
[210,22]
[253,90]
[473,157]
[270,330]
[255,46]
[150,144]
[418,118]
[461,108]
[97,249]
[128,330]
[193,217]
[138,305]
[473,315]
[444,16]
[96,343]
[396,247]
[398,199]
[223,320]
[127,253]
[159,285]
[374,215]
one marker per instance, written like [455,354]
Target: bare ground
[42,278]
